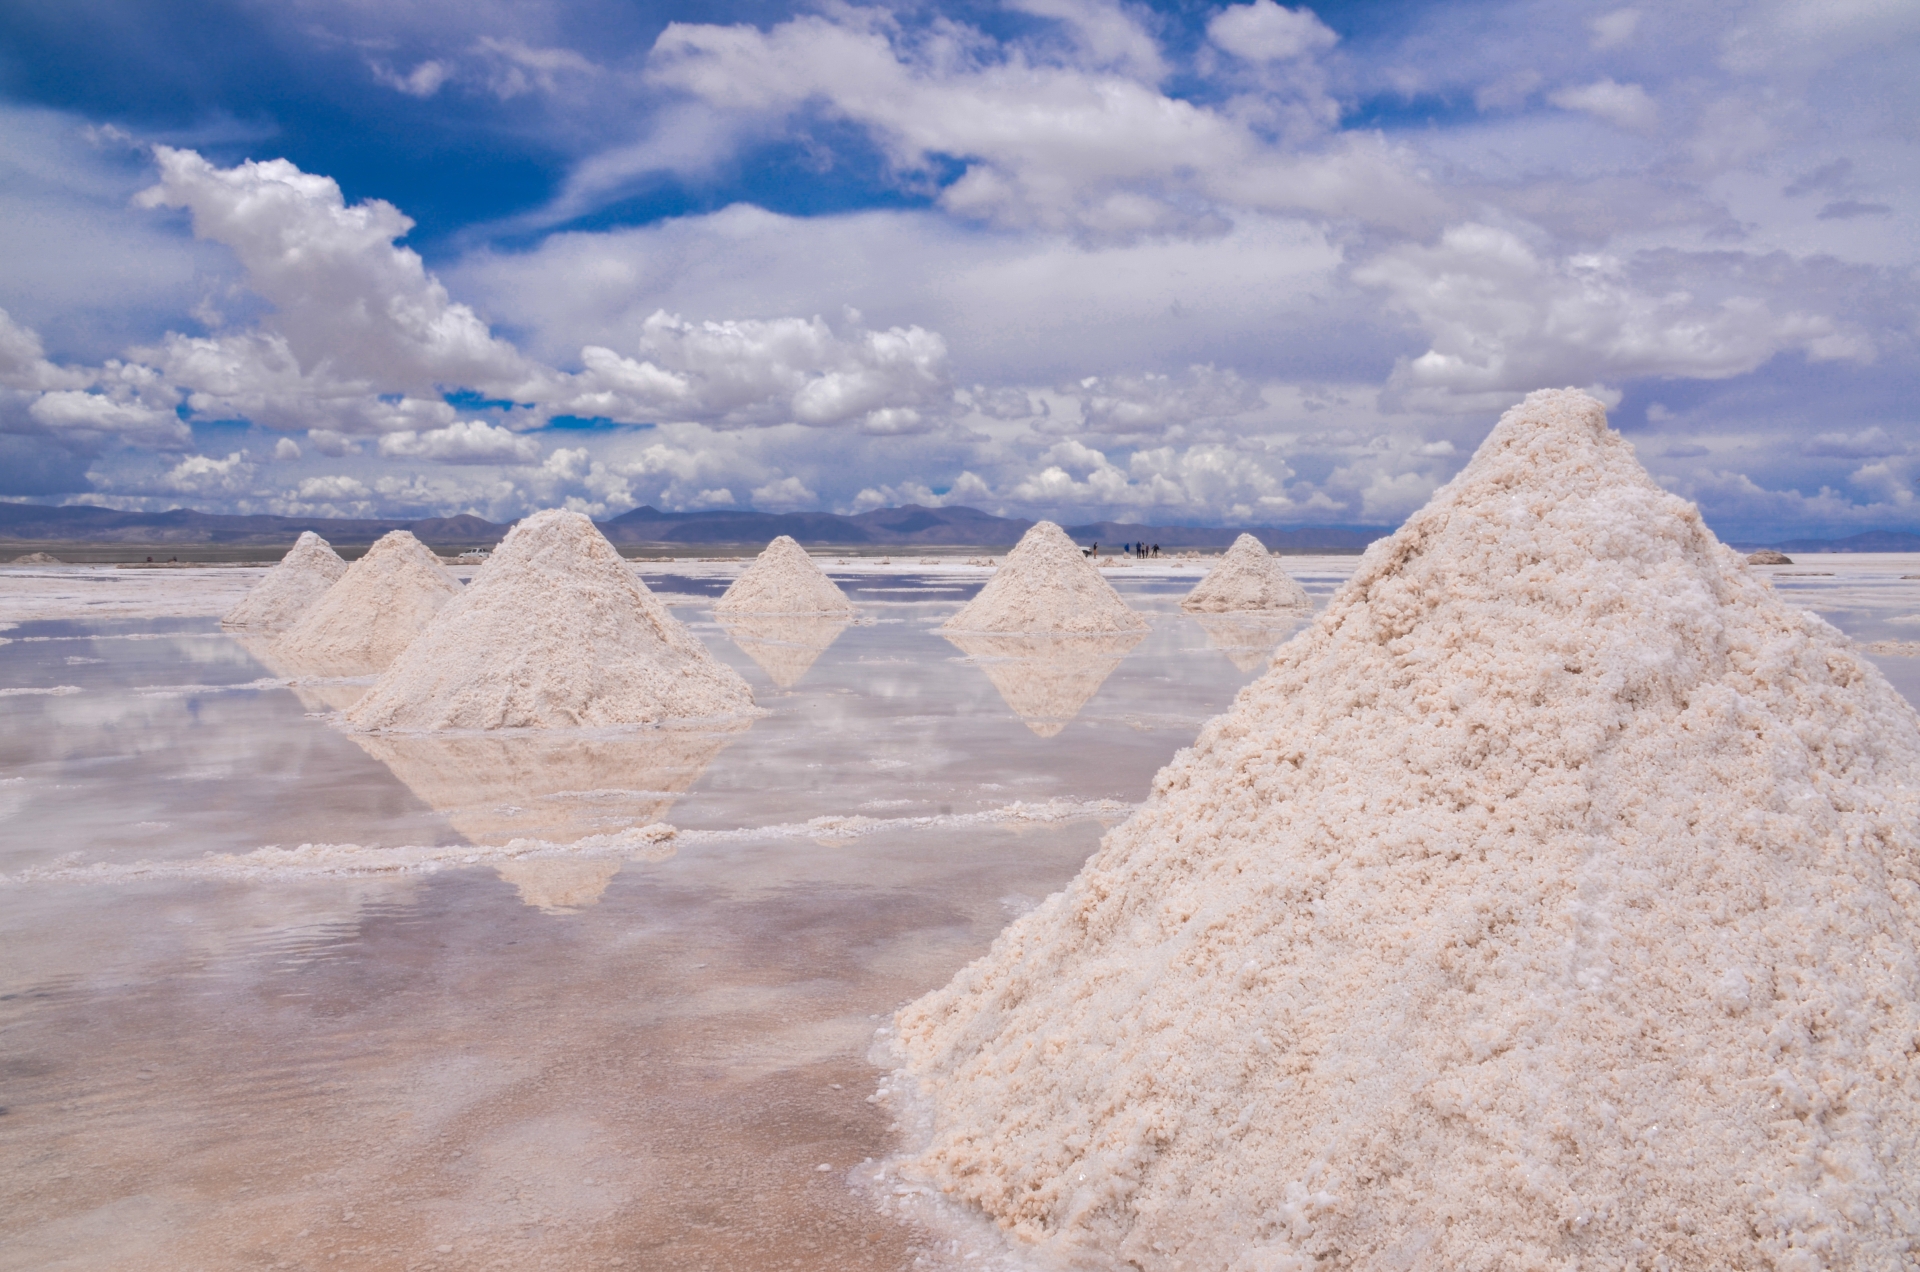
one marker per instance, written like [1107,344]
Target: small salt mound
[38,558]
[1552,902]
[783,579]
[1248,578]
[1769,556]
[555,631]
[301,578]
[1046,679]
[1046,585]
[371,613]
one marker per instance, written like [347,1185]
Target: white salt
[371,613]
[38,558]
[1551,902]
[289,588]
[555,630]
[1248,578]
[783,579]
[1046,585]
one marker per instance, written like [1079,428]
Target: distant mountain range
[1871,541]
[907,526]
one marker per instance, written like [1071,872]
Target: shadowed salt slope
[1046,585]
[783,579]
[302,577]
[1046,679]
[554,631]
[1248,578]
[784,645]
[371,613]
[1552,900]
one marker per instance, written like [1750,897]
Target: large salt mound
[371,613]
[783,579]
[1550,903]
[1046,585]
[554,631]
[310,567]
[1248,578]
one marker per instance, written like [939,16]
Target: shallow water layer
[527,1046]
[471,1023]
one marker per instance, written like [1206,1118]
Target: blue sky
[1186,263]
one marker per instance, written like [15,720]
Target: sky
[1188,263]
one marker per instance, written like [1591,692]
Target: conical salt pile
[371,612]
[1046,585]
[554,631]
[278,600]
[1248,578]
[1551,903]
[783,580]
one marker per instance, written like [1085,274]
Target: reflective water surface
[273,995]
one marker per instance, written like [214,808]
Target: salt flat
[471,1024]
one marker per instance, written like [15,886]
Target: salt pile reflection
[1046,679]
[555,788]
[317,691]
[1245,639]
[784,646]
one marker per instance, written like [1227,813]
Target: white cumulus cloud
[1267,32]
[463,442]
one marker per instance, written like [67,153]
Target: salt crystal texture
[554,631]
[310,567]
[371,613]
[1248,578]
[783,579]
[1046,585]
[1551,902]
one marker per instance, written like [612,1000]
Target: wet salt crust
[374,611]
[1248,578]
[1046,585]
[277,601]
[783,579]
[554,631]
[1551,902]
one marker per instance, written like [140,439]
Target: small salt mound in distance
[555,631]
[1248,578]
[1046,585]
[301,578]
[783,579]
[1552,902]
[38,558]
[371,613]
